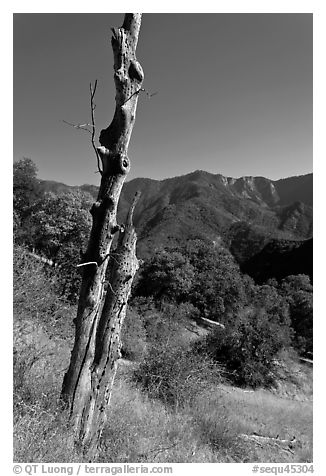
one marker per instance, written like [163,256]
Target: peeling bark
[88,382]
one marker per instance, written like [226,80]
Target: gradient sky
[234,93]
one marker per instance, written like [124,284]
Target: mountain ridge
[197,171]
[244,213]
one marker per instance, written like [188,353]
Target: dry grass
[41,433]
[142,429]
[205,429]
[263,413]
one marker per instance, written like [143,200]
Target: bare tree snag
[88,382]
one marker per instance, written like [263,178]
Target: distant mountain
[295,189]
[201,204]
[59,187]
[55,187]
[245,213]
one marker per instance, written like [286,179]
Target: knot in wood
[114,163]
[135,71]
[123,164]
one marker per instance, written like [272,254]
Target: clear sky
[234,93]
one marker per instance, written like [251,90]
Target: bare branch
[82,127]
[192,330]
[212,323]
[309,361]
[90,128]
[271,439]
[157,450]
[149,95]
[93,106]
[86,264]
[132,208]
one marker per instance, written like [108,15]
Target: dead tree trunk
[88,382]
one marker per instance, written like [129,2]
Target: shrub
[175,374]
[168,274]
[35,295]
[249,346]
[297,291]
[133,336]
[26,196]
[34,285]
[198,273]
[61,228]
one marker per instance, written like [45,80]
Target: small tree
[26,194]
[167,275]
[107,276]
[61,227]
[249,345]
[199,273]
[26,187]
[297,291]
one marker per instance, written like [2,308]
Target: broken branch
[82,127]
[212,323]
[86,264]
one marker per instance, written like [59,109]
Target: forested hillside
[199,236]
[246,215]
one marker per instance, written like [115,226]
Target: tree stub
[88,382]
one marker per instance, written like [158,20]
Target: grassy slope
[143,430]
[139,429]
